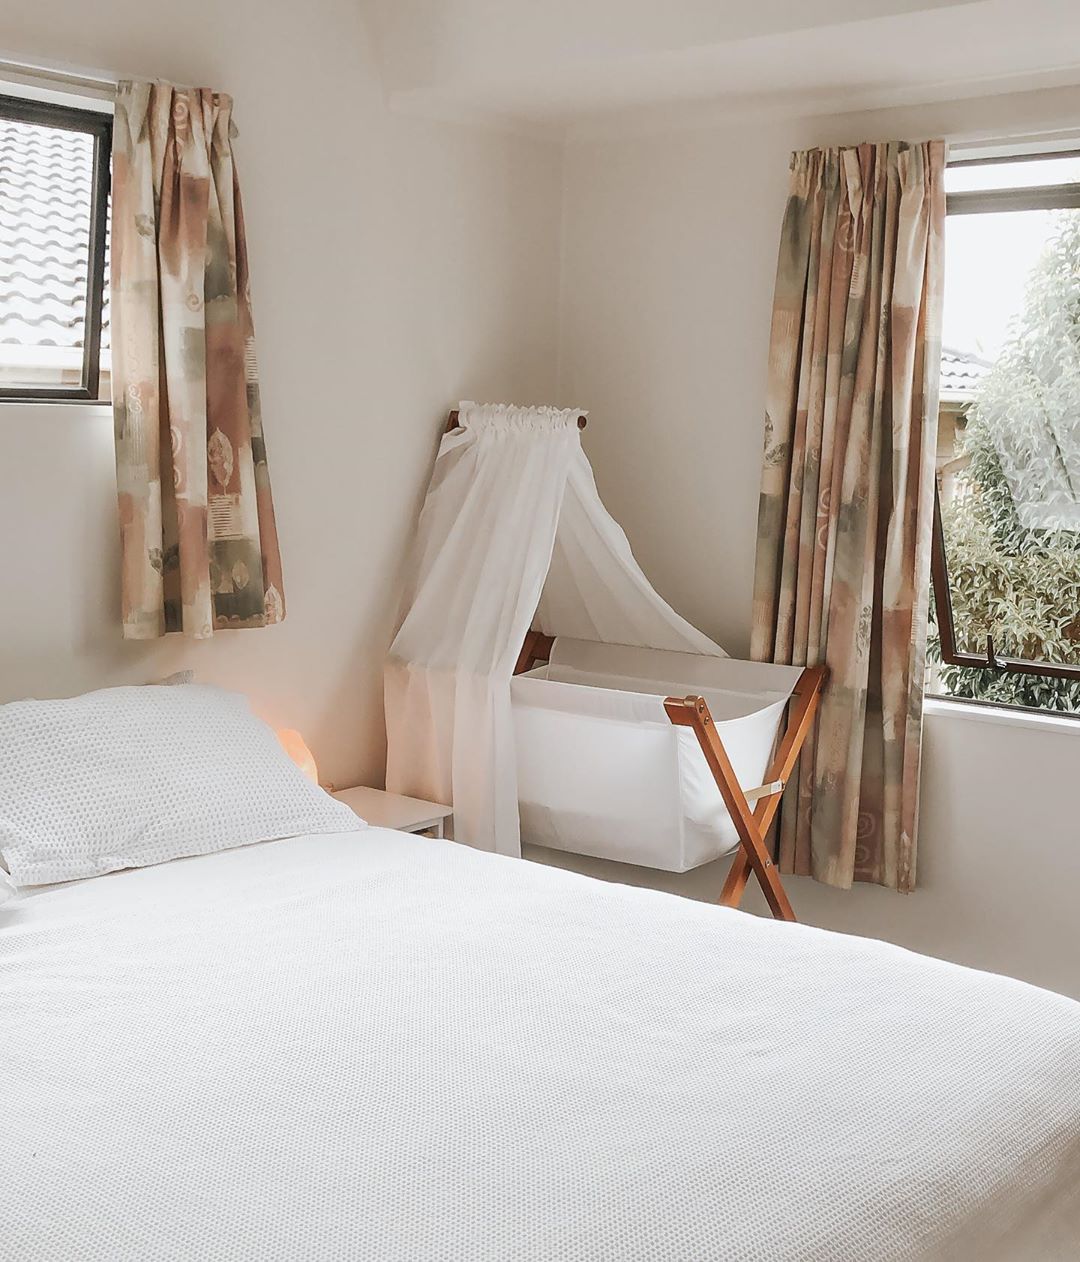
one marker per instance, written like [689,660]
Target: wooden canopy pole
[452,421]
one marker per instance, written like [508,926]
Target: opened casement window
[1006,558]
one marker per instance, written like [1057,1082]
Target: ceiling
[558,62]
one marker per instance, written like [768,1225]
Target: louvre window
[54,189]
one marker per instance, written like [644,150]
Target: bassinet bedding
[388,1049]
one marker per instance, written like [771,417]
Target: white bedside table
[391,810]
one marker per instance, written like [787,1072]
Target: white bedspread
[382,1048]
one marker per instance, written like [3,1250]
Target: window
[1006,552]
[54,190]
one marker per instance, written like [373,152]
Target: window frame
[98,125]
[982,202]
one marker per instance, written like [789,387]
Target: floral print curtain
[847,494]
[199,543]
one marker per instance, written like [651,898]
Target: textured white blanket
[384,1048]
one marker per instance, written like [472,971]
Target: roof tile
[46,183]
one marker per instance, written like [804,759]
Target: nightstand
[392,810]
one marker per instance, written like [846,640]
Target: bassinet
[589,752]
[603,771]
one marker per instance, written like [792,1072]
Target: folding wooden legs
[753,825]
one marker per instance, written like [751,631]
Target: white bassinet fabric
[512,521]
[603,772]
[674,673]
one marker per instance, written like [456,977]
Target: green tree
[1012,530]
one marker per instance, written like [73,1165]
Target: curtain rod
[88,84]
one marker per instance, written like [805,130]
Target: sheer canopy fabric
[595,590]
[512,522]
[199,541]
[847,494]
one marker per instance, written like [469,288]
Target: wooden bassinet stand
[752,811]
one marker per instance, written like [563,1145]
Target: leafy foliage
[1012,530]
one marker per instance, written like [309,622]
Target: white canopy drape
[512,531]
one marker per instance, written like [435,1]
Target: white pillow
[126,777]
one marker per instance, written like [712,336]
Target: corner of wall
[560,284]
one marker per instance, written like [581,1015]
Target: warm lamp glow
[293,744]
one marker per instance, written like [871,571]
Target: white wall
[397,266]
[669,251]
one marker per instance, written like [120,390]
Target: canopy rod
[452,421]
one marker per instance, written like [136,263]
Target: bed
[386,1048]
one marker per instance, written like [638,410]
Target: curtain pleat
[198,536]
[846,501]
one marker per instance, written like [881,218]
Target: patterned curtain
[847,494]
[199,543]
